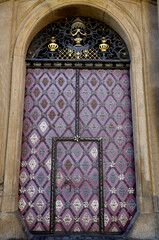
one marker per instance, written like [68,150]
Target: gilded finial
[53,46]
[103,46]
[78,27]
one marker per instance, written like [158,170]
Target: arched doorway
[77,169]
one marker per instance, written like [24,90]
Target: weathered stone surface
[144,227]
[6,10]
[10,227]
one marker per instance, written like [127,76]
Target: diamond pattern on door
[49,111]
[105,111]
[77,187]
[52,100]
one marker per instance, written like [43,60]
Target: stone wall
[137,22]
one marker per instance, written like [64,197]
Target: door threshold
[78,237]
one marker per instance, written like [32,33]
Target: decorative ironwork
[78,30]
[77,64]
[78,39]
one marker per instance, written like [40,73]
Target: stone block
[144,227]
[10,227]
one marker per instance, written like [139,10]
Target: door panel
[77,187]
[49,111]
[105,111]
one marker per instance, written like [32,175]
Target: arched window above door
[81,39]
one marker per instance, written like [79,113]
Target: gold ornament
[103,46]
[53,46]
[78,27]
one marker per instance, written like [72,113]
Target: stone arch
[32,23]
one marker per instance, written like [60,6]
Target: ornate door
[77,166]
[77,186]
[77,169]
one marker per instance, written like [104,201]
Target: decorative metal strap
[101,184]
[77,102]
[53,182]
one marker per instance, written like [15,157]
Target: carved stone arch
[113,16]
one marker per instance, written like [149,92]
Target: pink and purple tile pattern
[77,187]
[50,112]
[105,111]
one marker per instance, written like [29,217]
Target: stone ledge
[79,237]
